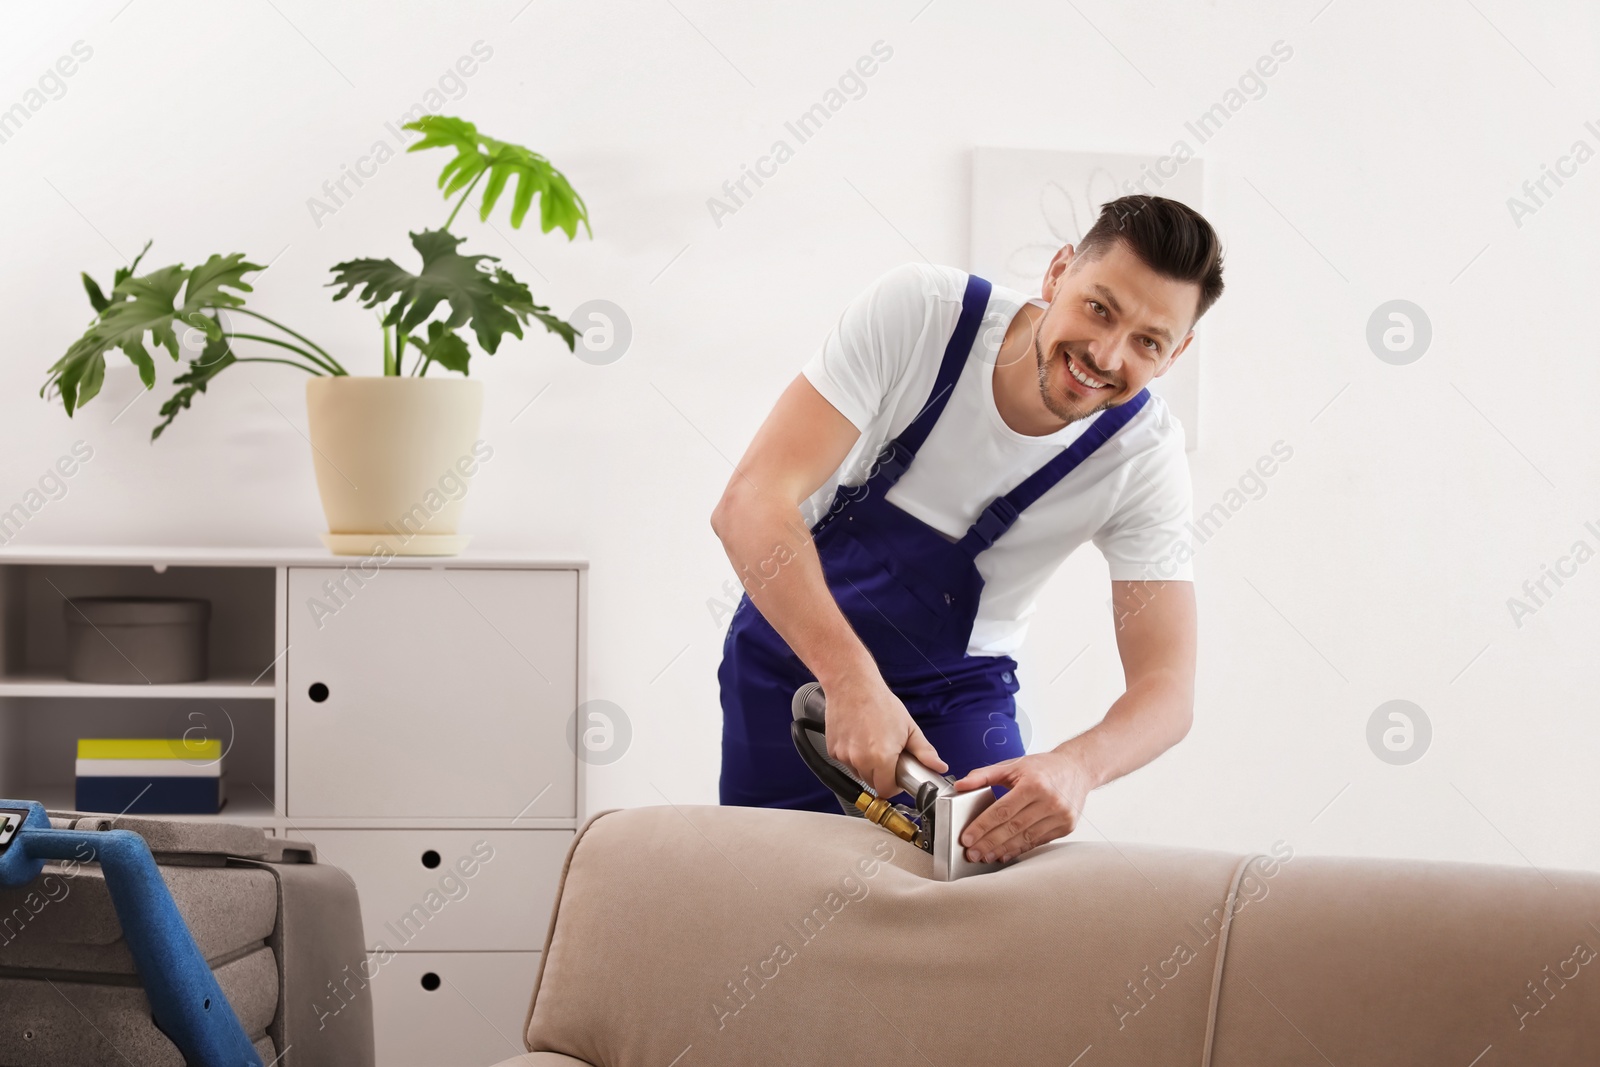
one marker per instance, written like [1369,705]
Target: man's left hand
[1045,798]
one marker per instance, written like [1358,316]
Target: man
[949,471]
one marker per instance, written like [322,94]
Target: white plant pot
[394,457]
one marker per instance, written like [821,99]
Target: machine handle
[810,704]
[186,1002]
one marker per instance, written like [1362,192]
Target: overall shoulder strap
[897,454]
[1004,511]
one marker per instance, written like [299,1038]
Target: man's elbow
[1174,692]
[720,518]
[1182,709]
[1183,719]
[731,506]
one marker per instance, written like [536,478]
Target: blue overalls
[911,596]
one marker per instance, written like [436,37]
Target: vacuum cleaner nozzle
[941,813]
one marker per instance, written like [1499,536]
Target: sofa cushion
[742,932]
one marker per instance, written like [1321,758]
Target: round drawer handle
[430,981]
[430,859]
[318,692]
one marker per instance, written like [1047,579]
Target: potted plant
[381,445]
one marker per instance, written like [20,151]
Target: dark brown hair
[1170,238]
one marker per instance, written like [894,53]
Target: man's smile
[1083,377]
[1075,383]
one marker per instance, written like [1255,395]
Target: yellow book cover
[149,748]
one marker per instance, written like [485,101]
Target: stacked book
[149,776]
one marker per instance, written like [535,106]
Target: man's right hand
[868,728]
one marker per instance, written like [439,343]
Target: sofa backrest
[723,935]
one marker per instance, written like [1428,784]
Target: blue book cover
[150,796]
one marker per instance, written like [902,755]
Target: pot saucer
[371,544]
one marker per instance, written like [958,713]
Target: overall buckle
[892,462]
[996,519]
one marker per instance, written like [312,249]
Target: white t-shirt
[1132,496]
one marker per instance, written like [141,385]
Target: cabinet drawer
[473,1015]
[440,692]
[487,890]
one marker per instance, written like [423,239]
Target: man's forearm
[1152,716]
[772,552]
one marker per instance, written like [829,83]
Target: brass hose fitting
[880,811]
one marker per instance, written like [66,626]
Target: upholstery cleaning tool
[940,814]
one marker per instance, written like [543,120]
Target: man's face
[1112,325]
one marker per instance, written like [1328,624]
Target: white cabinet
[429,693]
[410,719]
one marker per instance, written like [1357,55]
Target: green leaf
[445,348]
[441,131]
[146,304]
[489,299]
[556,326]
[207,289]
[561,205]
[124,273]
[93,374]
[477,154]
[208,281]
[216,357]
[96,297]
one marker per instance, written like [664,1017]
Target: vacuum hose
[833,775]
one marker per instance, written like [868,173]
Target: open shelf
[41,684]
[246,804]
[241,641]
[38,749]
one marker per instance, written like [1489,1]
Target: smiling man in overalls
[899,510]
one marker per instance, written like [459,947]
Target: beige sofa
[691,936]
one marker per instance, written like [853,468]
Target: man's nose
[1106,358]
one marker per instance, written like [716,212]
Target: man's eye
[1155,346]
[1095,304]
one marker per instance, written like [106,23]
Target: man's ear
[1176,352]
[1059,265]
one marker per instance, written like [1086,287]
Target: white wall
[1377,165]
